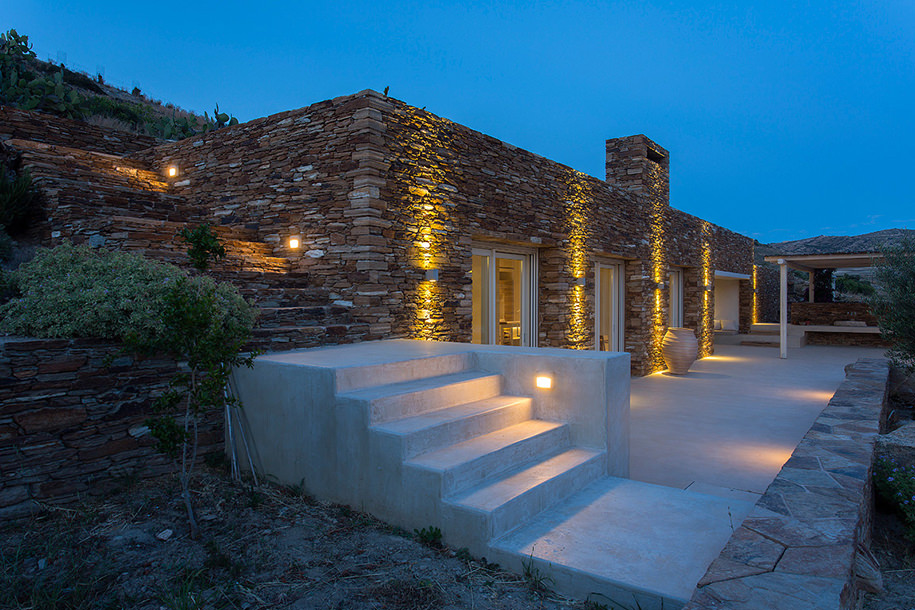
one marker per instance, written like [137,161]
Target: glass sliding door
[501,297]
[675,319]
[609,308]
[482,299]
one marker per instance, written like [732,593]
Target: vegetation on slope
[31,84]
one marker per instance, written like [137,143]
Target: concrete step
[399,400]
[466,464]
[747,339]
[498,505]
[350,378]
[428,431]
[764,328]
[624,543]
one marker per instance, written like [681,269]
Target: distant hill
[836,244]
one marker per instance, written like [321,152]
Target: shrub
[893,304]
[17,199]
[203,245]
[75,291]
[896,484]
[6,245]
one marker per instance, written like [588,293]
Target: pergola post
[810,280]
[783,308]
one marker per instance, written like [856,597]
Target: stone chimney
[639,165]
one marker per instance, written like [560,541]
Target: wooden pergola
[809,263]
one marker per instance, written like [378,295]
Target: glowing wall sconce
[294,243]
[544,382]
[432,275]
[707,286]
[172,171]
[580,281]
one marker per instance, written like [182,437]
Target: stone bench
[797,333]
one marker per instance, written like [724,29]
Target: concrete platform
[623,543]
[704,447]
[728,426]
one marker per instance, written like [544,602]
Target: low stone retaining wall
[796,549]
[69,425]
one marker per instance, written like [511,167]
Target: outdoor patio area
[726,428]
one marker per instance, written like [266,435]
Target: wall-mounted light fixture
[707,286]
[580,281]
[544,381]
[172,171]
[294,243]
[432,275]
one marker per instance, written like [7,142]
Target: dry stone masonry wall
[72,425]
[50,129]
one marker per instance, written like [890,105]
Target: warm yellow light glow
[294,243]
[706,331]
[755,314]
[578,206]
[544,381]
[172,171]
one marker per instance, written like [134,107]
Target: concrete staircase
[427,434]
[471,459]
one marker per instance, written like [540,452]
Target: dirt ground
[896,555]
[275,548]
[258,548]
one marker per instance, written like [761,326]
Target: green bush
[17,199]
[893,304]
[75,291]
[203,245]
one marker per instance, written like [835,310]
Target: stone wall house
[364,218]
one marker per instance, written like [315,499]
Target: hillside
[824,244]
[29,83]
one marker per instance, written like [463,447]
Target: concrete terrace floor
[727,427]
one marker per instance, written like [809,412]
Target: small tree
[894,305]
[206,325]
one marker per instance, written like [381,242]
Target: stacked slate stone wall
[767,289]
[50,129]
[828,313]
[71,426]
[378,192]
[449,188]
[298,174]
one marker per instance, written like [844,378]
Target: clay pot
[679,349]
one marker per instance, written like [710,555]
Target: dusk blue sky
[783,119]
